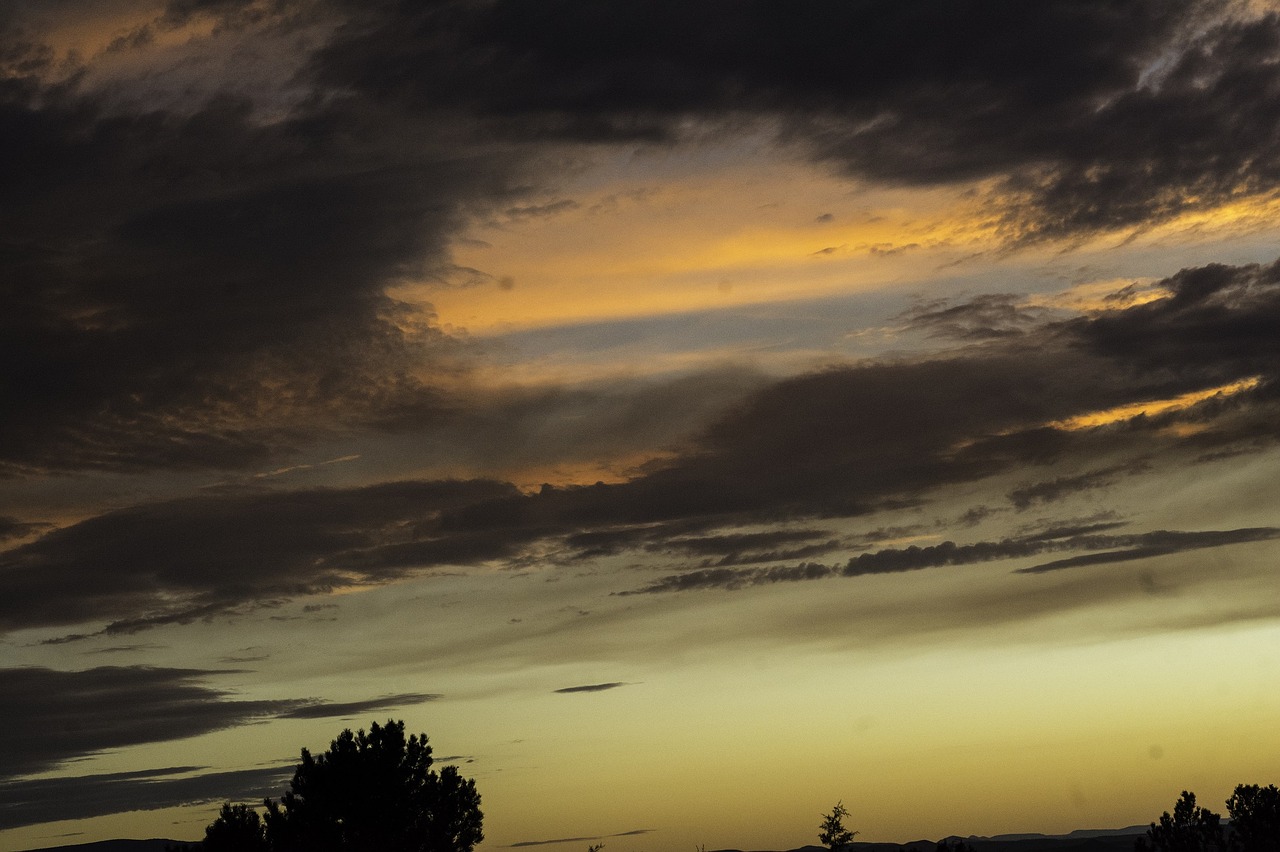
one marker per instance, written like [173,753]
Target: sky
[688,414]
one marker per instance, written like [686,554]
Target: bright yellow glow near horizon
[949,741]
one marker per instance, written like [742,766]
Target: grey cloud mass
[199,557]
[45,723]
[1097,115]
[30,802]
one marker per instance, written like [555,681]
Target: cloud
[948,553]
[327,709]
[983,317]
[205,284]
[591,687]
[541,211]
[183,560]
[1120,115]
[52,717]
[205,288]
[748,488]
[1157,543]
[732,579]
[41,800]
[1025,496]
[632,833]
[13,528]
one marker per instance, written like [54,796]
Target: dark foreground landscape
[1117,840]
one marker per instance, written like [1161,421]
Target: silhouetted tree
[1189,829]
[238,828]
[832,831]
[1255,818]
[372,792]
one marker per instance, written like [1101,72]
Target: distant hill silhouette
[1089,840]
[153,845]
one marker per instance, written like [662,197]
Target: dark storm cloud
[49,799]
[183,560]
[1097,115]
[198,286]
[591,687]
[1220,316]
[48,717]
[328,710]
[205,288]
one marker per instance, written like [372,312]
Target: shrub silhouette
[1188,829]
[1255,818]
[832,831]
[372,792]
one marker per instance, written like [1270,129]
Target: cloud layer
[842,442]
[204,283]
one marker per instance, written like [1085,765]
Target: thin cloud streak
[948,553]
[80,797]
[591,687]
[331,710]
[633,833]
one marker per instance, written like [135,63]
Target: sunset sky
[689,413]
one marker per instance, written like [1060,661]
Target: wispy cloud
[1152,544]
[633,833]
[331,709]
[1117,548]
[591,687]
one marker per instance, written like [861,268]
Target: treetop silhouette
[1254,826]
[832,831]
[373,792]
